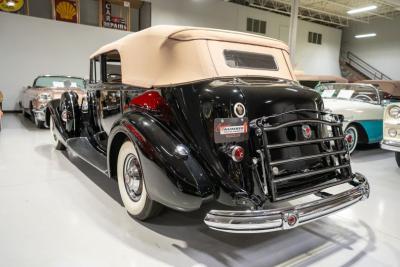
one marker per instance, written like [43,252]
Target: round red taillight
[237,153]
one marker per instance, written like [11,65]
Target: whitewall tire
[353,132]
[132,186]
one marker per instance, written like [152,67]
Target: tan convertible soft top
[391,87]
[301,76]
[171,55]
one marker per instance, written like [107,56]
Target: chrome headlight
[394,112]
[392,132]
[41,100]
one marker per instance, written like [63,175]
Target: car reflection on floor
[57,210]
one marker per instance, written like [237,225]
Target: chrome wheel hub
[350,138]
[133,177]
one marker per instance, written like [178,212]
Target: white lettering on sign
[232,130]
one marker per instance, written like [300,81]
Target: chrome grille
[302,166]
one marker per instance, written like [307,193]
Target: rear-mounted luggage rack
[338,156]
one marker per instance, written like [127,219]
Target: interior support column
[293,28]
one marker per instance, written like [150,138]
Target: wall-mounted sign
[66,10]
[115,14]
[110,21]
[11,5]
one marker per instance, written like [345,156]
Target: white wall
[382,51]
[311,58]
[31,46]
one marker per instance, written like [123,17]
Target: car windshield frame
[342,91]
[58,82]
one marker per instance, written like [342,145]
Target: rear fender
[173,180]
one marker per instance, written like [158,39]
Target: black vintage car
[203,115]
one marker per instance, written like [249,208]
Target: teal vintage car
[362,106]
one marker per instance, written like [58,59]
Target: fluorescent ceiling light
[361,9]
[365,35]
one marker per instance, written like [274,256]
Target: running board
[82,148]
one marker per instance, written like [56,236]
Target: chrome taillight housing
[237,153]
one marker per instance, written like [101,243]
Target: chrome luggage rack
[267,220]
[338,155]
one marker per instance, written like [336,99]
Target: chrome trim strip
[265,118]
[258,221]
[306,174]
[390,123]
[279,162]
[265,188]
[299,122]
[390,145]
[311,190]
[299,143]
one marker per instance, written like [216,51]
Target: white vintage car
[362,108]
[391,130]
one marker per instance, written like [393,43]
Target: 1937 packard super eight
[181,116]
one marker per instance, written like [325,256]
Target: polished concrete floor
[57,211]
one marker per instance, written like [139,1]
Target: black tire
[31,115]
[57,144]
[397,156]
[26,115]
[354,132]
[132,186]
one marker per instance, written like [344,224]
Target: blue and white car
[361,105]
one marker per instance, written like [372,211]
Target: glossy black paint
[186,118]
[194,108]
[179,183]
[70,126]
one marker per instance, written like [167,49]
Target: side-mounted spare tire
[70,114]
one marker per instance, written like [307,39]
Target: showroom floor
[57,211]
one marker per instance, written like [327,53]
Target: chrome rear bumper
[257,221]
[390,145]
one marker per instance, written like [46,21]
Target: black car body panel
[187,120]
[177,181]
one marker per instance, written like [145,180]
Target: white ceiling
[333,13]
